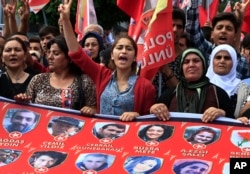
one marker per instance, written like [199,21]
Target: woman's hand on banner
[244,120]
[129,116]
[211,114]
[88,111]
[22,97]
[160,110]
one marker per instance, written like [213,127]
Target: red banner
[207,14]
[246,21]
[35,139]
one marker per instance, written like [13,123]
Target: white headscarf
[228,82]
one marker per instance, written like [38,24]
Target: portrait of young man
[109,130]
[20,120]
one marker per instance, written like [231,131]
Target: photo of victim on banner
[64,126]
[142,164]
[155,132]
[47,159]
[20,120]
[201,135]
[94,161]
[109,130]
[8,156]
[185,166]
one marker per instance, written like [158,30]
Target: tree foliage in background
[108,14]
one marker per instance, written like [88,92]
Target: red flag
[246,22]
[208,14]
[228,7]
[202,16]
[154,40]
[213,8]
[158,46]
[37,5]
[133,10]
[85,15]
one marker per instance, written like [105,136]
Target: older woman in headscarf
[222,70]
[194,93]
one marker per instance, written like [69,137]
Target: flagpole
[208,10]
[44,17]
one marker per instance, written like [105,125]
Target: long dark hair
[134,64]
[167,132]
[179,167]
[61,42]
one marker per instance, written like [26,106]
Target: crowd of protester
[210,74]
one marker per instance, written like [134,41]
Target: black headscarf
[99,40]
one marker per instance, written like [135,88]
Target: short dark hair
[24,110]
[61,43]
[189,43]
[120,126]
[178,13]
[179,167]
[226,16]
[23,45]
[58,156]
[246,42]
[34,39]
[48,30]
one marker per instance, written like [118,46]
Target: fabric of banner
[42,139]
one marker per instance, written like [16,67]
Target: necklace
[17,78]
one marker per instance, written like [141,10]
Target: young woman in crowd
[65,86]
[194,93]
[121,92]
[14,80]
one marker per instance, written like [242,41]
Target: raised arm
[240,10]
[193,29]
[12,16]
[9,9]
[24,13]
[68,32]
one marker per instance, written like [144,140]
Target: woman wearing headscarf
[93,43]
[194,93]
[222,70]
